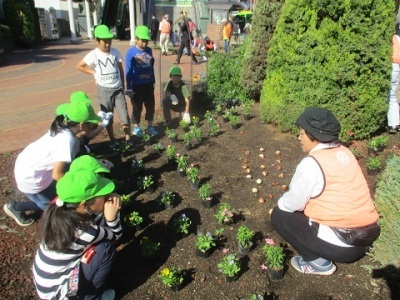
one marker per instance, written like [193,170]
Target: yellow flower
[165,272]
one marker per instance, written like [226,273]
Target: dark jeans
[185,43]
[92,276]
[143,95]
[153,35]
[39,201]
[295,229]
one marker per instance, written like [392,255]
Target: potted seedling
[182,224]
[125,200]
[171,153]
[148,183]
[230,266]
[167,199]
[234,111]
[172,135]
[186,140]
[158,148]
[147,138]
[234,121]
[214,129]
[149,248]
[246,110]
[226,115]
[192,174]
[224,214]
[195,121]
[209,117]
[377,144]
[245,239]
[138,167]
[184,125]
[196,133]
[204,243]
[172,277]
[182,163]
[134,219]
[374,164]
[219,109]
[274,259]
[205,195]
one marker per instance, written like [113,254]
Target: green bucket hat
[103,32]
[175,70]
[82,185]
[79,96]
[87,162]
[142,32]
[80,112]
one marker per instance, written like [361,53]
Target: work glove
[105,118]
[186,117]
[106,163]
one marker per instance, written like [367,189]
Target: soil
[221,161]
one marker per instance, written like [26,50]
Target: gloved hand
[186,117]
[105,118]
[106,163]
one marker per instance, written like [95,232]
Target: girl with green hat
[43,162]
[76,254]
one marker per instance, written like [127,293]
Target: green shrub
[386,248]
[333,54]
[255,57]
[6,40]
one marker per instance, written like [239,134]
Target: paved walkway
[34,82]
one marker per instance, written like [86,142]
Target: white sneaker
[108,295]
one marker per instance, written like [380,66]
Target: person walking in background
[42,163]
[176,97]
[393,112]
[105,64]
[328,213]
[165,30]
[140,79]
[154,28]
[226,34]
[185,39]
[76,252]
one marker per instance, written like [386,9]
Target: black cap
[319,123]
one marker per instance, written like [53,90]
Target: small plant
[186,138]
[245,236]
[182,224]
[234,111]
[356,150]
[209,117]
[226,115]
[196,132]
[171,276]
[146,137]
[195,121]
[171,133]
[247,107]
[147,181]
[234,120]
[166,197]
[205,191]
[125,199]
[219,109]
[182,162]
[378,141]
[158,147]
[149,248]
[171,151]
[224,214]
[184,125]
[205,241]
[192,174]
[230,265]
[134,219]
[274,255]
[374,162]
[214,130]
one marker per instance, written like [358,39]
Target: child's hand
[112,205]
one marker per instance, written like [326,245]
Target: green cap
[142,32]
[103,32]
[175,70]
[79,96]
[87,162]
[82,185]
[80,112]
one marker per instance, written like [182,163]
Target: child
[175,38]
[76,253]
[177,96]
[43,162]
[109,76]
[140,79]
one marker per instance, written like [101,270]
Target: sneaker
[108,295]
[129,146]
[328,268]
[150,130]
[137,131]
[392,130]
[18,216]
[115,145]
[176,62]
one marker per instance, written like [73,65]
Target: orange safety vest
[396,49]
[165,27]
[345,201]
[227,31]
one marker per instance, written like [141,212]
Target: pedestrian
[154,27]
[140,79]
[42,163]
[185,39]
[105,64]
[328,214]
[165,30]
[226,34]
[176,96]
[175,38]
[208,46]
[393,111]
[76,252]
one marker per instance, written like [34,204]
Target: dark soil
[221,161]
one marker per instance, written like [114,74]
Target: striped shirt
[52,270]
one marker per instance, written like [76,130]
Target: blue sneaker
[327,268]
[150,130]
[137,131]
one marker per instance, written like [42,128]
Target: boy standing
[140,79]
[105,64]
[177,96]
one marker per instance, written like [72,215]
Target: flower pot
[235,126]
[207,203]
[151,189]
[276,275]
[199,141]
[188,147]
[194,185]
[372,172]
[171,161]
[246,117]
[168,206]
[176,287]
[181,173]
[174,139]
[205,254]
[243,250]
[231,278]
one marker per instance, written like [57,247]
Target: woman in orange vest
[327,214]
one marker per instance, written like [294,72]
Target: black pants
[143,95]
[295,229]
[185,43]
[153,35]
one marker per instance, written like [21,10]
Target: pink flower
[226,220]
[231,215]
[224,212]
[225,250]
[269,241]
[263,267]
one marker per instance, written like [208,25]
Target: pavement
[33,82]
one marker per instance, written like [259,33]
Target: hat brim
[61,109]
[105,187]
[105,36]
[144,36]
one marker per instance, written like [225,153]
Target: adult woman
[328,213]
[44,161]
[76,253]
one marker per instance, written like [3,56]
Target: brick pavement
[34,82]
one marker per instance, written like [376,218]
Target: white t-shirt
[106,67]
[34,165]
